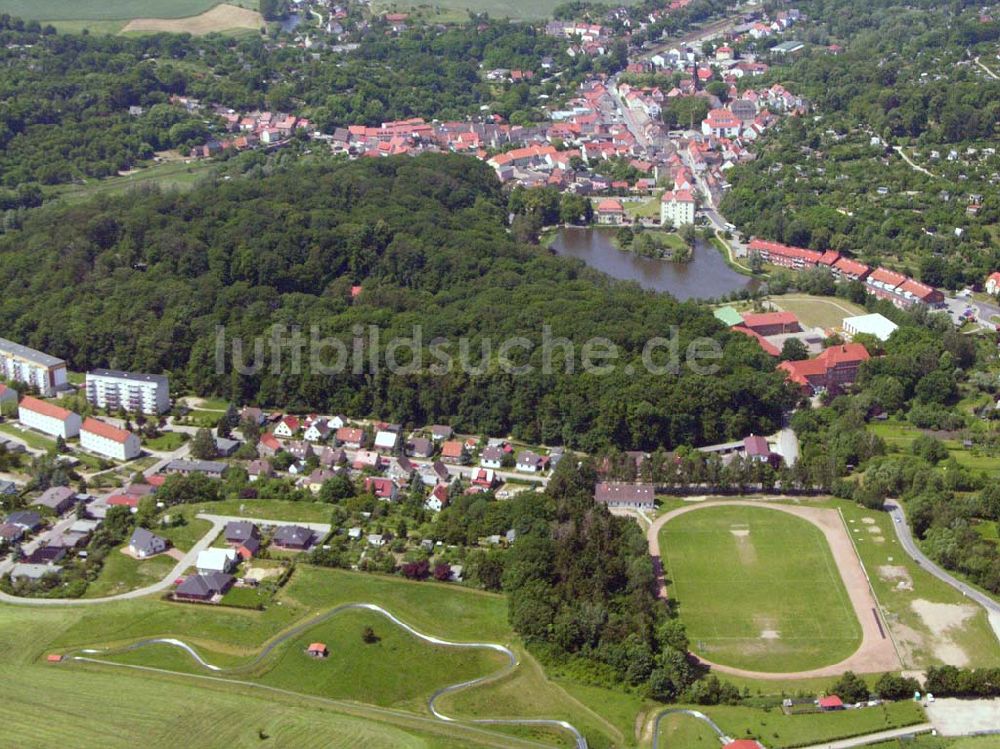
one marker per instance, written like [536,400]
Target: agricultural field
[111,10]
[817,311]
[758,589]
[223,18]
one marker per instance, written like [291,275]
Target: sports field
[758,589]
[818,311]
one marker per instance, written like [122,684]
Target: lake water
[707,276]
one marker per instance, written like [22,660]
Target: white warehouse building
[22,364]
[48,418]
[109,441]
[111,389]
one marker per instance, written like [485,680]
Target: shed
[317,650]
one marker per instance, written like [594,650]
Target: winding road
[876,652]
[87,655]
[906,540]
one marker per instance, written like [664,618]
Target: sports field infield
[758,589]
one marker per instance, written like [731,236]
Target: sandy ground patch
[175,554]
[896,574]
[219,18]
[868,521]
[262,573]
[941,619]
[954,717]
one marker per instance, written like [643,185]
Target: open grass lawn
[166,442]
[171,175]
[399,670]
[758,589]
[198,418]
[88,706]
[678,730]
[777,730]
[644,209]
[899,435]
[818,311]
[122,573]
[29,437]
[265,509]
[183,537]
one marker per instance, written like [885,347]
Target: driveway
[876,653]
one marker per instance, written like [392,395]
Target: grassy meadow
[758,589]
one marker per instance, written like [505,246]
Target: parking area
[954,717]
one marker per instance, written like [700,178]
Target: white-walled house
[48,418]
[677,208]
[216,560]
[109,441]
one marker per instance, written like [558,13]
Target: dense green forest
[908,79]
[141,282]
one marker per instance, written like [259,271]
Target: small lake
[706,276]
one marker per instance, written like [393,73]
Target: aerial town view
[483,373]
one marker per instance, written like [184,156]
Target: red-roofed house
[383,488]
[784,255]
[123,500]
[722,124]
[830,702]
[287,427]
[351,437]
[48,418]
[836,367]
[268,446]
[851,270]
[901,290]
[744,744]
[610,211]
[109,441]
[771,323]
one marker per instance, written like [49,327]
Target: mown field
[458,10]
[108,10]
[758,589]
[818,311]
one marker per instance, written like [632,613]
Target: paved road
[509,665]
[876,652]
[910,547]
[988,71]
[908,160]
[874,738]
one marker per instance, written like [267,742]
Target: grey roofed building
[10,532]
[8,487]
[238,531]
[420,447]
[292,537]
[145,544]
[46,555]
[204,587]
[57,498]
[32,355]
[27,519]
[226,446]
[33,571]
[622,494]
[441,431]
[213,468]
[136,376]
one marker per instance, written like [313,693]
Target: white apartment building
[23,364]
[109,441]
[111,389]
[677,208]
[48,418]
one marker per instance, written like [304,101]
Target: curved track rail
[580,741]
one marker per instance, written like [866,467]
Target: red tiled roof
[776,248]
[106,431]
[123,500]
[610,206]
[888,277]
[851,267]
[769,348]
[757,319]
[452,449]
[44,408]
[829,257]
[831,701]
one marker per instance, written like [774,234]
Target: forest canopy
[141,282]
